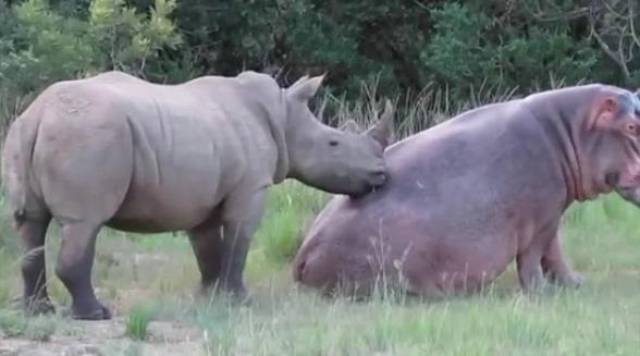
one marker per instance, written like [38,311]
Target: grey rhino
[468,196]
[118,151]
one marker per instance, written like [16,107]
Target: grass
[15,324]
[138,322]
[144,278]
[138,274]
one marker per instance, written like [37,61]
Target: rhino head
[333,160]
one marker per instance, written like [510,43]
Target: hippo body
[198,156]
[467,197]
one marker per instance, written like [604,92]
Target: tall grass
[414,111]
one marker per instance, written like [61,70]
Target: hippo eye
[632,129]
[333,143]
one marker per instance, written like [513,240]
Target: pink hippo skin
[468,196]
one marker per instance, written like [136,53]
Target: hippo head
[617,118]
[333,160]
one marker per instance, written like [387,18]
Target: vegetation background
[435,58]
[405,46]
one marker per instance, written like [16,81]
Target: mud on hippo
[118,151]
[468,196]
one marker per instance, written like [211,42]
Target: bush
[468,47]
[40,46]
[457,47]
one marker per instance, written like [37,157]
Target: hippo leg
[530,270]
[206,241]
[555,267]
[32,232]
[75,261]
[241,215]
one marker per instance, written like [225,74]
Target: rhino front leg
[241,216]
[75,262]
[206,241]
[555,267]
[32,232]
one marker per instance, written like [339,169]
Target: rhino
[118,151]
[467,197]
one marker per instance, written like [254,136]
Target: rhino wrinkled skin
[118,151]
[468,196]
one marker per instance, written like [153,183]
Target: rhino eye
[333,143]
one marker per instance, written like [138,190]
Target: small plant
[138,322]
[14,324]
[40,328]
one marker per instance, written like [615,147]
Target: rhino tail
[17,156]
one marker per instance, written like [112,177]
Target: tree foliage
[402,45]
[38,45]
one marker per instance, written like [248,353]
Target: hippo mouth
[630,194]
[627,186]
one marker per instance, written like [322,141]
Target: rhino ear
[383,130]
[350,126]
[305,88]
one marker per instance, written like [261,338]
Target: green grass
[135,274]
[138,321]
[15,324]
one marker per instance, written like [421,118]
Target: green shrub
[469,47]
[138,321]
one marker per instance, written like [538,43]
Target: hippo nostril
[612,179]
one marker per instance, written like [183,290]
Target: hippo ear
[606,111]
[305,88]
[350,126]
[383,130]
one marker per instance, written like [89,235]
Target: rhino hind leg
[83,185]
[32,232]
[75,262]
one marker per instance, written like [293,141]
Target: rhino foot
[98,312]
[38,306]
[238,293]
[235,294]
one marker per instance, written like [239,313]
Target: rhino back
[188,151]
[194,144]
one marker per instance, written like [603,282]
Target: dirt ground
[80,338]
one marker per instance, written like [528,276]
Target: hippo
[468,196]
[118,151]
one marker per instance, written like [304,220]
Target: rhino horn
[305,88]
[382,131]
